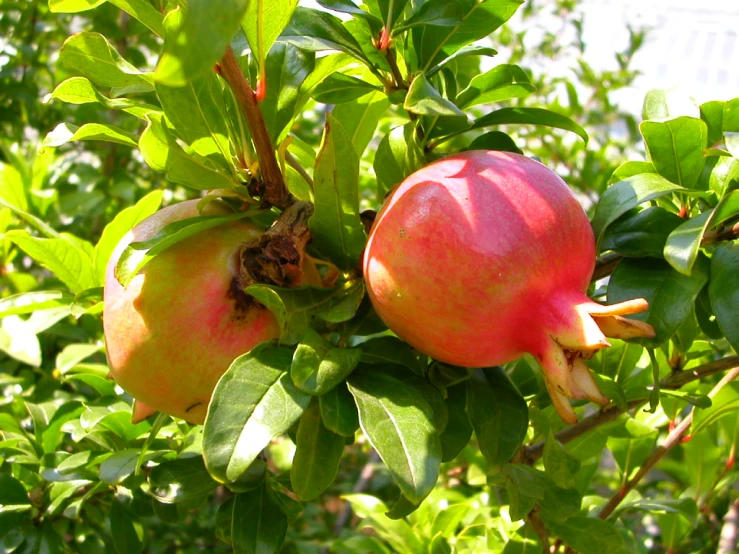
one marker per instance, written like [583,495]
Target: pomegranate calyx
[141,412]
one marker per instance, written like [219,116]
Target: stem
[275,191]
[672,439]
[729,531]
[538,527]
[364,480]
[675,380]
[605,264]
[295,164]
[397,75]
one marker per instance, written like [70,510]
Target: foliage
[353,99]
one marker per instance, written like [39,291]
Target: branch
[605,264]
[672,439]
[674,380]
[729,531]
[275,191]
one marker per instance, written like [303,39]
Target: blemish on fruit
[193,406]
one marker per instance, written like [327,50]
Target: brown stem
[538,527]
[672,439]
[729,531]
[675,380]
[605,264]
[397,76]
[275,191]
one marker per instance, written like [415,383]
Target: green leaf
[120,465]
[339,412]
[345,304]
[424,99]
[162,153]
[315,30]
[675,148]
[381,350]
[197,113]
[683,244]
[442,14]
[180,480]
[338,233]
[670,103]
[339,88]
[629,169]
[360,118]
[626,195]
[288,68]
[258,524]
[725,403]
[79,90]
[66,132]
[471,50]
[670,294]
[732,143]
[94,57]
[495,140]
[254,402]
[713,114]
[318,366]
[13,495]
[317,455]
[560,465]
[588,534]
[479,19]
[200,32]
[263,22]
[389,163]
[122,223]
[61,256]
[28,302]
[498,414]
[73,6]
[294,309]
[398,422]
[723,290]
[458,431]
[137,254]
[503,82]
[532,116]
[144,12]
[641,234]
[126,530]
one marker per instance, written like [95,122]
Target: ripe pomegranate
[483,256]
[178,325]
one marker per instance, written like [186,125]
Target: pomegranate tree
[178,325]
[483,256]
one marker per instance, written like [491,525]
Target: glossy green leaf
[670,294]
[725,403]
[318,366]
[479,19]
[640,234]
[317,455]
[503,82]
[315,30]
[629,169]
[66,132]
[138,254]
[287,71]
[588,534]
[732,143]
[382,350]
[94,57]
[398,422]
[80,90]
[676,148]
[294,309]
[339,412]
[458,431]
[263,22]
[713,115]
[339,88]
[498,414]
[162,152]
[13,495]
[723,290]
[360,118]
[668,103]
[471,50]
[28,302]
[61,256]
[143,11]
[73,6]
[424,99]
[560,465]
[626,195]
[338,233]
[495,140]
[391,11]
[441,14]
[683,244]
[258,523]
[180,480]
[530,116]
[254,402]
[345,304]
[200,32]
[197,113]
[126,530]
[122,223]
[389,162]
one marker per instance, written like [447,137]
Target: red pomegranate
[178,325]
[483,256]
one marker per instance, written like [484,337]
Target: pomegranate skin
[483,256]
[466,255]
[178,325]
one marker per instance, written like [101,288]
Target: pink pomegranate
[483,256]
[178,325]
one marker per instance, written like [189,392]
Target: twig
[729,531]
[295,164]
[397,76]
[364,479]
[672,439]
[605,265]
[275,191]
[674,380]
[538,527]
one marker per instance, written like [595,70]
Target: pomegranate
[178,325]
[483,256]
